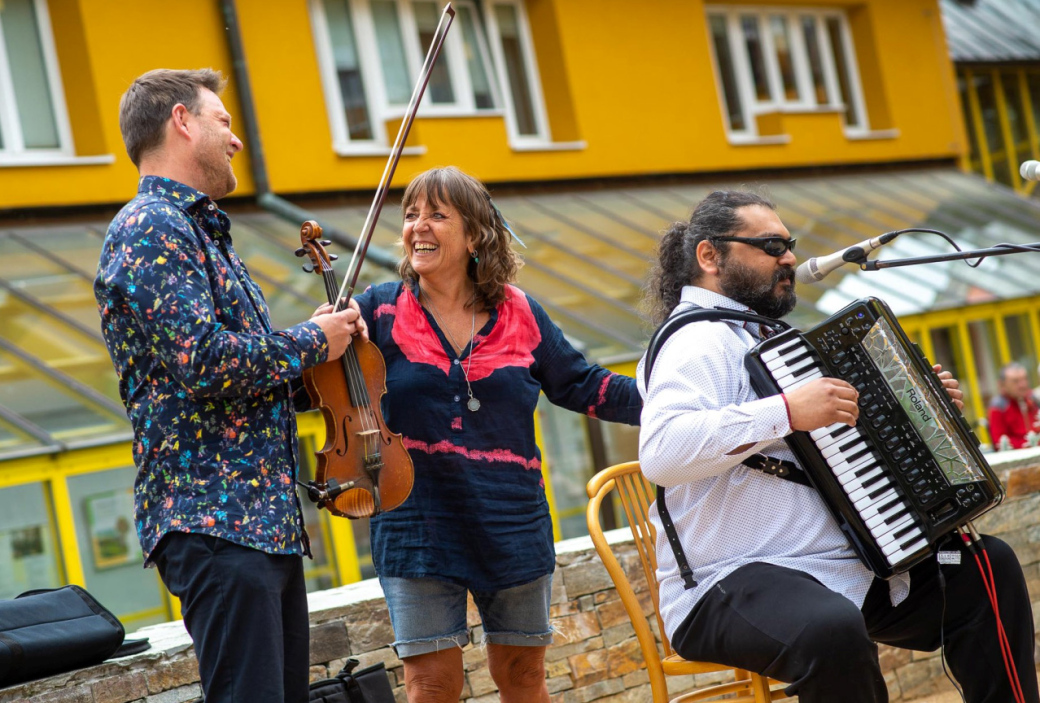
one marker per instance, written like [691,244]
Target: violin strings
[352,368]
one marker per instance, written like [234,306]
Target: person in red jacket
[1013,413]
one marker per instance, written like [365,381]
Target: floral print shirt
[477,514]
[207,384]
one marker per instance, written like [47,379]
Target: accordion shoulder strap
[774,467]
[697,314]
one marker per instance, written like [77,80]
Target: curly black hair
[676,264]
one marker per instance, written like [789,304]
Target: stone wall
[595,656]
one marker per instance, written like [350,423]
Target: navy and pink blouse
[477,514]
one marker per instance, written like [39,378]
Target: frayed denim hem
[518,639]
[413,648]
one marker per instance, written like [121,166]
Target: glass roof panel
[43,401]
[13,438]
[589,248]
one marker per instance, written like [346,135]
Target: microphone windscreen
[807,272]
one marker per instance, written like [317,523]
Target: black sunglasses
[774,246]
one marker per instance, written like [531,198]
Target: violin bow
[350,280]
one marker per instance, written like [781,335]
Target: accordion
[910,471]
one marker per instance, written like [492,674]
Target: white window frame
[371,69]
[751,106]
[14,151]
[542,135]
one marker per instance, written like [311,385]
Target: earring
[476,259]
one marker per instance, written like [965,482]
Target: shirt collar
[193,202]
[710,299]
[181,195]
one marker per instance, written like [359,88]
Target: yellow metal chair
[636,494]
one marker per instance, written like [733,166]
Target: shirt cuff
[311,342]
[787,407]
[772,419]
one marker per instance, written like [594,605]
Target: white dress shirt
[699,409]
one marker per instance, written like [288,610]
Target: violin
[364,468]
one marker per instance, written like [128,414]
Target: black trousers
[785,624]
[246,612]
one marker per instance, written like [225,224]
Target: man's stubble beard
[217,172]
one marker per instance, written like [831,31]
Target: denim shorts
[429,615]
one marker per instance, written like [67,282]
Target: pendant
[473,404]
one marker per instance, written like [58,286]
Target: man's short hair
[1007,368]
[147,103]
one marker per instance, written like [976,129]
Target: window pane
[568,456]
[837,37]
[987,95]
[947,351]
[1033,80]
[1020,344]
[103,509]
[812,46]
[348,68]
[439,88]
[478,75]
[29,74]
[983,336]
[516,69]
[41,401]
[320,569]
[782,42]
[1015,115]
[28,554]
[757,59]
[391,52]
[1013,100]
[969,122]
[728,74]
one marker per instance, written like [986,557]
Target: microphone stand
[998,250]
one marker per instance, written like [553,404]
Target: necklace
[473,404]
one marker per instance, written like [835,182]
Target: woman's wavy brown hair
[498,264]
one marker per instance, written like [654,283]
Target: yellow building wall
[635,82]
[106,45]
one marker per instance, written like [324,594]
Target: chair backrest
[636,494]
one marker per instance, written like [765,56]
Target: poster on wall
[110,523]
[26,562]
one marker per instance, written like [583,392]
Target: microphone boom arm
[999,250]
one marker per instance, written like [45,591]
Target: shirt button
[456,362]
[456,399]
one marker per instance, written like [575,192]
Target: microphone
[1030,170]
[816,268]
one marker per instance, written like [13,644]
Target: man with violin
[210,388]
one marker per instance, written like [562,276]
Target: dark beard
[742,284]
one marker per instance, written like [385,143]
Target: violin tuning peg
[300,252]
[333,257]
[326,242]
[308,268]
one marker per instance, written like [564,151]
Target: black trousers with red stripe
[785,624]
